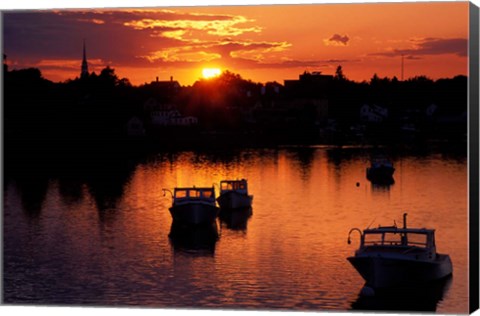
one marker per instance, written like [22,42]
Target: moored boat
[234,194]
[381,171]
[194,205]
[391,256]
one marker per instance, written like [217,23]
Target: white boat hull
[194,213]
[234,200]
[383,271]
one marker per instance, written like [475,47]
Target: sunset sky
[261,43]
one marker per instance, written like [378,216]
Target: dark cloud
[337,38]
[32,36]
[45,38]
[431,46]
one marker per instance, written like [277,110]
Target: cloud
[430,46]
[216,25]
[337,40]
[139,38]
[181,54]
[95,21]
[226,50]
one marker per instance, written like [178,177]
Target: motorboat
[381,171]
[389,256]
[193,205]
[234,194]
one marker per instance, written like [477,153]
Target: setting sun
[211,72]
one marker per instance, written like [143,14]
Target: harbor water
[102,235]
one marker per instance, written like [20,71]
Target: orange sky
[261,43]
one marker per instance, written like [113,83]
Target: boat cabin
[188,194]
[416,242]
[381,162]
[400,237]
[234,185]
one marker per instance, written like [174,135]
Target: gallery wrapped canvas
[290,157]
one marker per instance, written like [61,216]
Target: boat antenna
[371,223]
[167,190]
[402,67]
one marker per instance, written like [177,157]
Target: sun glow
[211,72]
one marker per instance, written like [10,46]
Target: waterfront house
[373,113]
[135,127]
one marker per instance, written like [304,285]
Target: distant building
[169,87]
[135,127]
[309,85]
[171,117]
[166,114]
[84,69]
[151,105]
[373,113]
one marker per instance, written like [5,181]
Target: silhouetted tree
[339,76]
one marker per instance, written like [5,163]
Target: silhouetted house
[309,85]
[307,98]
[314,110]
[373,113]
[151,105]
[271,88]
[170,116]
[168,87]
[135,127]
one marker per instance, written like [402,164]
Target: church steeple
[84,72]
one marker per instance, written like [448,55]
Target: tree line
[89,115]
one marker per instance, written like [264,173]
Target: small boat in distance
[193,205]
[381,171]
[234,194]
[394,257]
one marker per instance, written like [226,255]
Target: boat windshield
[194,193]
[181,193]
[405,239]
[233,185]
[381,163]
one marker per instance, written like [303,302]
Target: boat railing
[394,239]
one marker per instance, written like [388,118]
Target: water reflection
[108,217]
[382,182]
[420,298]
[107,184]
[194,239]
[236,219]
[303,157]
[381,188]
[71,190]
[32,193]
[338,155]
